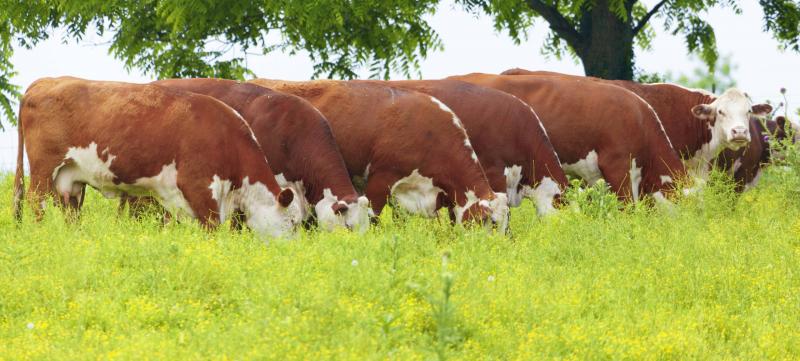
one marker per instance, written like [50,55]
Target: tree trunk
[608,48]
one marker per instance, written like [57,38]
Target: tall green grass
[716,277]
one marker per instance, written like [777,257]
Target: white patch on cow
[543,195]
[84,166]
[587,168]
[164,186]
[220,191]
[736,165]
[699,166]
[636,178]
[458,124]
[416,194]
[513,177]
[356,216]
[460,211]
[755,180]
[264,213]
[299,191]
[665,179]
[499,211]
[326,218]
[366,172]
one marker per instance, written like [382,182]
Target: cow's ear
[285,197]
[703,111]
[339,207]
[781,122]
[761,109]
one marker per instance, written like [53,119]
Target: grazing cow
[508,137]
[745,163]
[598,131]
[699,124]
[299,146]
[404,144]
[191,152]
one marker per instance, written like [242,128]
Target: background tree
[720,77]
[603,33]
[176,38]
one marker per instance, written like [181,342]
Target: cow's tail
[19,177]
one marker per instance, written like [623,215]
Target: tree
[603,33]
[178,38]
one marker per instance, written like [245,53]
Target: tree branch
[558,23]
[643,21]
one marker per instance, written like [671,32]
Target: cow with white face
[508,137]
[191,152]
[298,143]
[699,125]
[407,146]
[729,117]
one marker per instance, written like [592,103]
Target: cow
[598,131]
[298,144]
[699,124]
[508,137]
[745,164]
[405,144]
[191,152]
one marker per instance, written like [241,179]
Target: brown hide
[745,164]
[672,103]
[294,136]
[503,130]
[581,116]
[145,128]
[394,132]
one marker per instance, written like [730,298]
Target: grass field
[716,277]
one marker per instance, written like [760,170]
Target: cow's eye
[720,112]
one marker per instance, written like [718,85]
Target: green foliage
[715,78]
[571,29]
[642,76]
[715,278]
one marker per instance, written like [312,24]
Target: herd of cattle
[276,154]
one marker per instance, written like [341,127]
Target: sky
[471,45]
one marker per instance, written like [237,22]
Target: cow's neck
[704,145]
[320,169]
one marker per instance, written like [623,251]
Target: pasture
[715,277]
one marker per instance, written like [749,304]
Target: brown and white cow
[745,164]
[405,144]
[299,146]
[508,137]
[598,131]
[191,152]
[699,124]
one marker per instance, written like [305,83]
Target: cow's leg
[377,190]
[616,171]
[199,198]
[41,186]
[497,179]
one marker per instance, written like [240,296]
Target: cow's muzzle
[740,135]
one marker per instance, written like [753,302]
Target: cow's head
[333,213]
[269,214]
[728,117]
[491,213]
